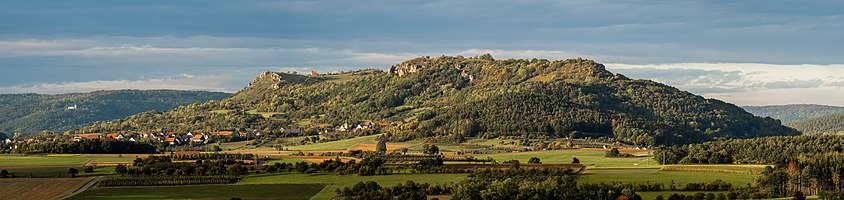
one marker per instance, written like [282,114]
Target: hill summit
[455,97]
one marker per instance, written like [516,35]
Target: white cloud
[181,82]
[748,83]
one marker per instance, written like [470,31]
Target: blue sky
[745,52]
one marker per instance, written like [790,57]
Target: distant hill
[821,125]
[793,112]
[450,98]
[33,113]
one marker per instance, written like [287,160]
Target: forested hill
[450,98]
[793,112]
[33,113]
[827,124]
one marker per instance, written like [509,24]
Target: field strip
[83,188]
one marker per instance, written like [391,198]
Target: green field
[58,159]
[335,145]
[263,191]
[665,177]
[592,158]
[286,160]
[334,181]
[55,171]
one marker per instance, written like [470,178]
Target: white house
[72,107]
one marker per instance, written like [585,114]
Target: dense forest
[827,124]
[767,150]
[455,97]
[33,113]
[793,112]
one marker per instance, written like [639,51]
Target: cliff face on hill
[453,97]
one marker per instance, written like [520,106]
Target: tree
[4,173]
[534,160]
[382,144]
[431,149]
[574,160]
[88,169]
[73,172]
[613,152]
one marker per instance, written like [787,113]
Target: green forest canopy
[454,97]
[33,113]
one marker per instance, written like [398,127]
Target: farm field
[334,181]
[591,158]
[745,169]
[61,159]
[262,191]
[658,176]
[336,145]
[40,188]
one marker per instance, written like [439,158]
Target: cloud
[181,82]
[747,83]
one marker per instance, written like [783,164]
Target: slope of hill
[33,113]
[821,125]
[793,112]
[450,98]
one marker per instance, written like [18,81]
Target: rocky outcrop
[405,68]
[272,79]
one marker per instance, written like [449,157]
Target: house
[8,141]
[199,138]
[87,136]
[314,73]
[132,139]
[172,140]
[74,107]
[345,127]
[115,136]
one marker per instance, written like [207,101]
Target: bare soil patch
[40,188]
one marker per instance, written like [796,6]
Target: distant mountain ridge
[449,98]
[793,112]
[33,113]
[832,124]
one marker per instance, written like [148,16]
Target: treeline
[767,150]
[818,174]
[163,165]
[213,156]
[372,191]
[164,180]
[827,124]
[491,184]
[366,167]
[452,98]
[82,146]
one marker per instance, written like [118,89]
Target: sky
[754,52]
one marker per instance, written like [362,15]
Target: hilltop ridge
[449,98]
